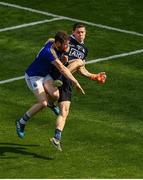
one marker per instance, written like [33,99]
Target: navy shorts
[65,90]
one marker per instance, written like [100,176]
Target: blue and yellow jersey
[42,65]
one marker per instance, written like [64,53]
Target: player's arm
[84,72]
[101,77]
[65,71]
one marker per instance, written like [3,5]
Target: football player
[39,73]
[74,59]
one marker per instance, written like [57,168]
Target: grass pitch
[103,134]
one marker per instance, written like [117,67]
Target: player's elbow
[55,95]
[80,63]
[43,104]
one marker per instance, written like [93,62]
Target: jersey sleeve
[51,55]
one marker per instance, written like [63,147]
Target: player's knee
[44,104]
[55,95]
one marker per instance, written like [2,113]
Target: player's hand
[64,59]
[100,77]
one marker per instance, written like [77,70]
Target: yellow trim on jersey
[50,39]
[52,49]
[54,53]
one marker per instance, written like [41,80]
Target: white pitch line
[115,56]
[88,62]
[28,9]
[11,80]
[29,24]
[72,19]
[106,27]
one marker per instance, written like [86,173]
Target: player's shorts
[36,82]
[65,90]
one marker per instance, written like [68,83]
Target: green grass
[103,134]
[14,17]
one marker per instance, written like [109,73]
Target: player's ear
[58,44]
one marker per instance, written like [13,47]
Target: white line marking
[29,24]
[28,9]
[105,27]
[88,62]
[115,56]
[11,80]
[73,19]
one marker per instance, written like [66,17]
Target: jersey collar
[72,36]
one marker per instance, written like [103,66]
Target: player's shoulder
[50,49]
[73,40]
[49,42]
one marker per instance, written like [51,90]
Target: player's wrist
[93,77]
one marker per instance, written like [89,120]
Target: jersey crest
[76,53]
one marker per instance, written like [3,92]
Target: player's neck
[55,46]
[80,42]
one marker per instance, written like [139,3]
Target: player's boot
[54,108]
[20,129]
[56,143]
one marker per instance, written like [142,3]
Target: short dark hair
[61,36]
[78,25]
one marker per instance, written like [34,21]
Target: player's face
[79,34]
[64,46]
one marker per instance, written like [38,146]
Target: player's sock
[24,119]
[58,134]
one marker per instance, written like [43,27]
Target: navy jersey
[77,50]
[42,65]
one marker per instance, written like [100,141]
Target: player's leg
[60,123]
[52,94]
[36,85]
[64,104]
[44,86]
[41,103]
[51,89]
[61,119]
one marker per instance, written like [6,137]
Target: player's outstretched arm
[100,77]
[84,72]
